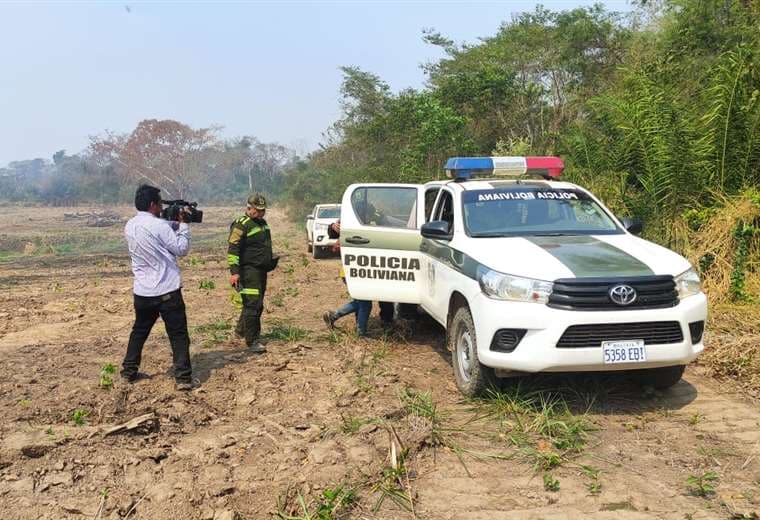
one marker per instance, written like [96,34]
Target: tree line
[656,111]
[184,162]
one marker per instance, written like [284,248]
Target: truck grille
[592,294]
[652,332]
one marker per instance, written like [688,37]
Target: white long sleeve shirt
[154,246]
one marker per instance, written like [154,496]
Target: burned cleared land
[324,425]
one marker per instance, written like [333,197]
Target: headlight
[502,286]
[320,227]
[688,283]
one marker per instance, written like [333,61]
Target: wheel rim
[464,353]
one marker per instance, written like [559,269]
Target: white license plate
[632,351]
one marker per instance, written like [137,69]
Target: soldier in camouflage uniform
[250,258]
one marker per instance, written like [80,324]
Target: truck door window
[445,209]
[386,206]
[430,196]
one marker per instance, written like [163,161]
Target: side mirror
[438,229]
[310,217]
[632,225]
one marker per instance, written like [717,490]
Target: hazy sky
[268,69]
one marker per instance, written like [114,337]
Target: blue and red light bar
[463,168]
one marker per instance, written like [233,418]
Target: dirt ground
[324,425]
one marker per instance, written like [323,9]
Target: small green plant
[703,485]
[350,425]
[106,376]
[594,485]
[277,300]
[196,260]
[289,269]
[213,326]
[550,483]
[50,432]
[25,402]
[78,416]
[394,484]
[696,418]
[333,503]
[544,460]
[207,285]
[292,291]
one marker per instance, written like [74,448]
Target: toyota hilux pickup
[526,273]
[317,223]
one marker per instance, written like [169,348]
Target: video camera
[173,208]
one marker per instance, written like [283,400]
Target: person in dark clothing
[362,308]
[250,258]
[154,245]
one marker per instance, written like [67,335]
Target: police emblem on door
[622,295]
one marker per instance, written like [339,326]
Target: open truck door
[380,241]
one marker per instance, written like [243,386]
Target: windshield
[329,212]
[525,210]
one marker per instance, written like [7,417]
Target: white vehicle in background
[524,274]
[316,228]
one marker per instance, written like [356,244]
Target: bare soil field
[325,424]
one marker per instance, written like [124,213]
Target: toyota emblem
[622,295]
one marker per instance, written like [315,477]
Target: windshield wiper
[490,234]
[553,234]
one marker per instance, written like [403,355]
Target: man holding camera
[250,258]
[154,245]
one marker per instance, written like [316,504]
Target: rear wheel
[472,377]
[660,378]
[317,253]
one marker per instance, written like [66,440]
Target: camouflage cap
[257,201]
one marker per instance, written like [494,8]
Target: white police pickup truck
[317,222]
[526,274]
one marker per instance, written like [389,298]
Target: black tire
[472,377]
[308,247]
[317,253]
[660,378]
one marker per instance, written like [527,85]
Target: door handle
[357,240]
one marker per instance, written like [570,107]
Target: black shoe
[133,377]
[257,348]
[329,318]
[183,387]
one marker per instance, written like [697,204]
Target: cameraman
[154,245]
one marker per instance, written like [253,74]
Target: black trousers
[254,284]
[171,308]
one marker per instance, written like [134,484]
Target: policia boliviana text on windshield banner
[250,258]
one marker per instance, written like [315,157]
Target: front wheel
[660,378]
[317,253]
[472,377]
[308,247]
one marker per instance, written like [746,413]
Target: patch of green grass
[394,485]
[218,325]
[106,376]
[277,300]
[284,331]
[703,485]
[351,425]
[332,504]
[50,431]
[196,260]
[25,402]
[550,483]
[289,269]
[79,416]
[207,284]
[291,291]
